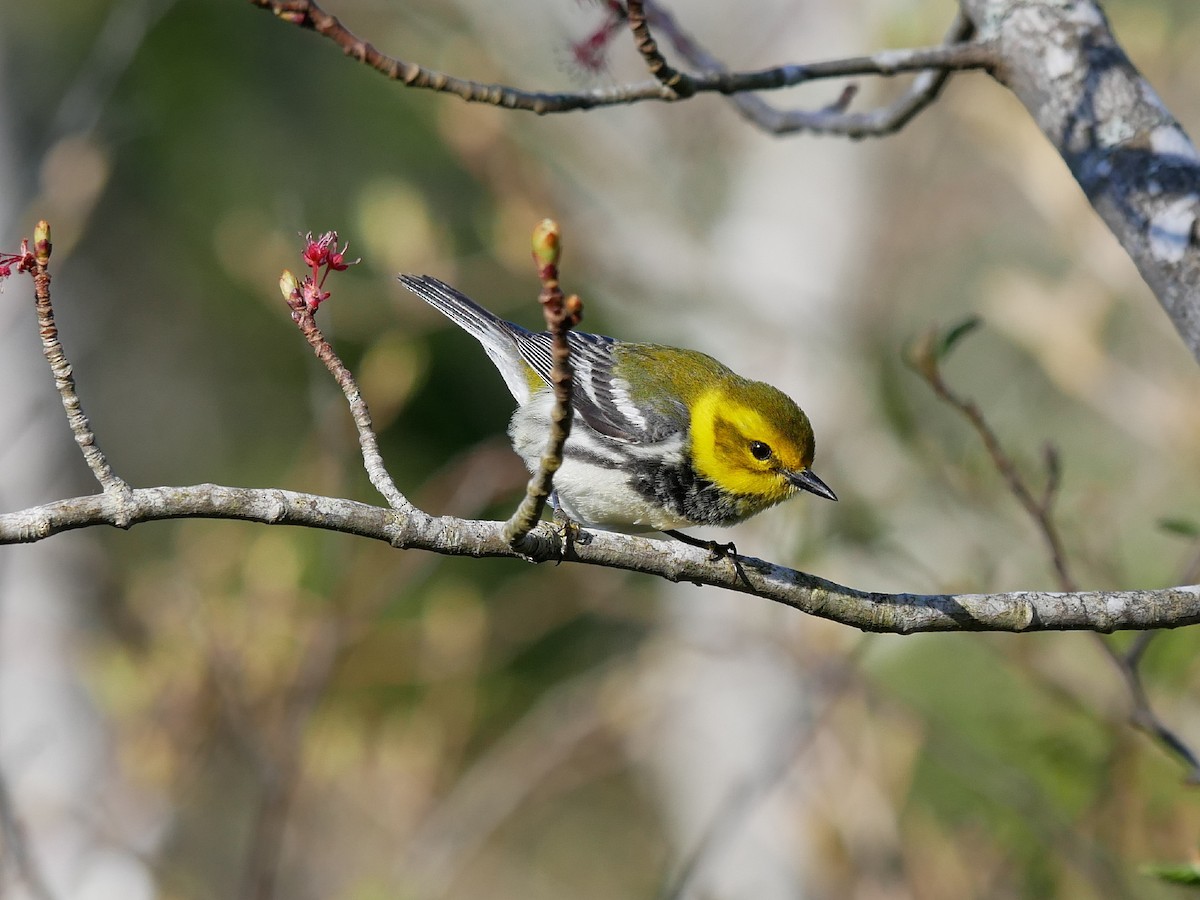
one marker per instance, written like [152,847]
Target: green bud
[546,247]
[921,354]
[41,242]
[287,284]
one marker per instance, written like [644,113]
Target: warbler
[661,438]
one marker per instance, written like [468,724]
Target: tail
[497,336]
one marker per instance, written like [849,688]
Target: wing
[601,398]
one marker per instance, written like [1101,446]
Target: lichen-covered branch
[1135,163]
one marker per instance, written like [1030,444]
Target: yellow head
[752,440]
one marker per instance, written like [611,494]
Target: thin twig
[954,57]
[1142,715]
[933,64]
[1040,512]
[561,314]
[679,83]
[377,472]
[307,14]
[64,380]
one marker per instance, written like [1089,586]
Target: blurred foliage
[353,722]
[1186,875]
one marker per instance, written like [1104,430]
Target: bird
[662,438]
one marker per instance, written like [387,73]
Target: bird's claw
[570,531]
[716,550]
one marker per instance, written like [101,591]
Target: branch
[1142,714]
[1018,611]
[679,83]
[925,358]
[323,256]
[1135,163]
[404,526]
[307,14]
[934,64]
[37,264]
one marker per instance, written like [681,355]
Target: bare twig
[1142,713]
[322,255]
[307,14]
[1041,511]
[367,441]
[924,360]
[561,313]
[64,381]
[678,82]
[933,64]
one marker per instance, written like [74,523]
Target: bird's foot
[716,550]
[571,531]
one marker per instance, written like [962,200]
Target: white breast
[593,484]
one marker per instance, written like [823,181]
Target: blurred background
[214,709]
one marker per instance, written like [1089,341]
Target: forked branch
[926,357]
[668,85]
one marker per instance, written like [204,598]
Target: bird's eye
[760,451]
